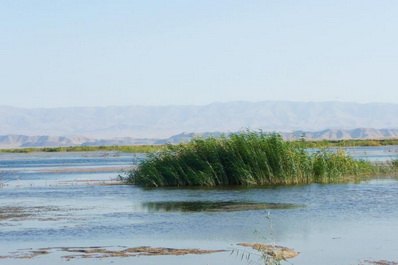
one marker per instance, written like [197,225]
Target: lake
[65,203]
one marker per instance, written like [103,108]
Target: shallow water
[335,223]
[369,153]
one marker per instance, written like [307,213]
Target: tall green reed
[247,158]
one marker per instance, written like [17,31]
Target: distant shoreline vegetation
[247,158]
[302,143]
[111,148]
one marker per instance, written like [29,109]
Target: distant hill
[328,134]
[165,121]
[338,134]
[36,141]
[12,141]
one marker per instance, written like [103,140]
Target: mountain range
[13,141]
[165,121]
[144,124]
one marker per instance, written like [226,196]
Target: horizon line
[199,105]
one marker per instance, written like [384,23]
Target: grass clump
[247,158]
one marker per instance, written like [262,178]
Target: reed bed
[248,158]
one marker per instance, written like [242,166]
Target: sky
[66,53]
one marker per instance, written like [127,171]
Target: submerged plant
[267,253]
[3,178]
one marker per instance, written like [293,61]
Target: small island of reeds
[246,158]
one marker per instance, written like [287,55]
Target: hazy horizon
[203,105]
[164,121]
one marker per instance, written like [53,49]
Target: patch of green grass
[343,143]
[118,148]
[301,143]
[247,158]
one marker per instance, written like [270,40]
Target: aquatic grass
[387,168]
[267,253]
[394,163]
[247,158]
[336,167]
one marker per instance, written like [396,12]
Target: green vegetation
[118,148]
[248,158]
[301,143]
[344,143]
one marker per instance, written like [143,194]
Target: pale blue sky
[66,53]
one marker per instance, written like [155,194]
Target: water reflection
[208,206]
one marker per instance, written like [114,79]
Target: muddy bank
[17,213]
[273,251]
[11,214]
[84,169]
[105,252]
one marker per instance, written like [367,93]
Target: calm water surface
[334,224]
